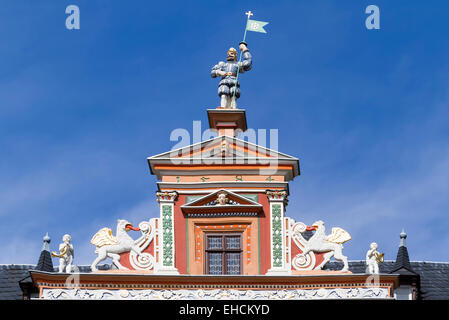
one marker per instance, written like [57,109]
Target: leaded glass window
[223,254]
[233,263]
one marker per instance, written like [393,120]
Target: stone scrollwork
[301,261]
[144,260]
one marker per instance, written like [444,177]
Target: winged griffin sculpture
[331,245]
[110,246]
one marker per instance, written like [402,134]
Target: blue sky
[365,111]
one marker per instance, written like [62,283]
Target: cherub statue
[65,255]
[373,257]
[229,87]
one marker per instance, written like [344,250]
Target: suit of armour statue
[228,71]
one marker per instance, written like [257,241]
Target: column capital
[277,195]
[166,196]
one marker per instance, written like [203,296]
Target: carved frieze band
[216,294]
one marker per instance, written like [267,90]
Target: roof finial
[45,263]
[47,241]
[403,236]
[402,264]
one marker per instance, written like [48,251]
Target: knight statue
[65,254]
[373,258]
[229,87]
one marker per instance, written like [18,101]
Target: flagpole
[249,14]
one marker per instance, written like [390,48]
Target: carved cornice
[167,196]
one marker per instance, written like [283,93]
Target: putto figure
[65,254]
[229,87]
[373,258]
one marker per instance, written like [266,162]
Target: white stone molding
[216,294]
[288,222]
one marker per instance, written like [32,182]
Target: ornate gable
[222,146]
[222,154]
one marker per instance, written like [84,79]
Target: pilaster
[278,201]
[166,232]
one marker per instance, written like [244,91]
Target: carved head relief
[222,199]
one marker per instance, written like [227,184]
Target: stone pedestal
[227,121]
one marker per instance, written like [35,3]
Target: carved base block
[278,272]
[121,271]
[167,271]
[318,272]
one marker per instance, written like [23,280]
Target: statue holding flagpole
[229,87]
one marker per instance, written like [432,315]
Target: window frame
[223,251]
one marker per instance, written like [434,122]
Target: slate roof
[45,263]
[402,264]
[434,276]
[11,274]
[434,279]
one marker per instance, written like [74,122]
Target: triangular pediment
[211,199]
[222,147]
[222,202]
[222,154]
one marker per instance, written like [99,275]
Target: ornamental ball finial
[403,236]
